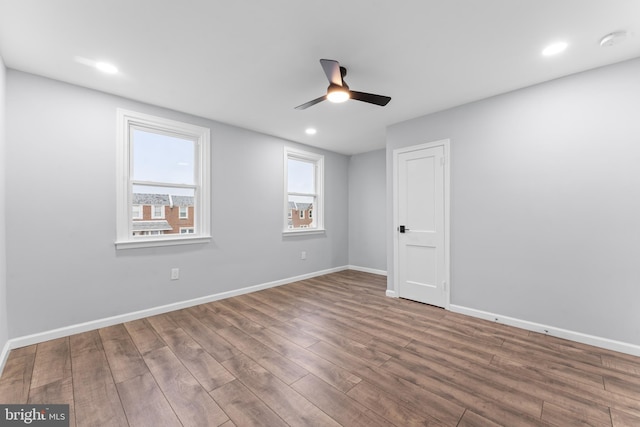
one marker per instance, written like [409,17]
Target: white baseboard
[4,355]
[367,270]
[127,317]
[609,344]
[114,320]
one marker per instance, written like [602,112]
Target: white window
[186,230]
[157,212]
[160,160]
[303,186]
[136,212]
[183,212]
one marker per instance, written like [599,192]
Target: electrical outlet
[175,273]
[303,255]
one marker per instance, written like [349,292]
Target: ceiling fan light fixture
[337,94]
[338,91]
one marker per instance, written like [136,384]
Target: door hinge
[444,285]
[442,161]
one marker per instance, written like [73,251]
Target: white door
[422,257]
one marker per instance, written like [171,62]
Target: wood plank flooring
[327,351]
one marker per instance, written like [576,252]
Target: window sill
[152,243]
[303,232]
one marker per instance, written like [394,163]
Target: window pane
[300,207]
[301,177]
[162,158]
[169,202]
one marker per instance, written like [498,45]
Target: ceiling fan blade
[311,103]
[332,70]
[370,98]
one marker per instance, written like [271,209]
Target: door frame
[445,143]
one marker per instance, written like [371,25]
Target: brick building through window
[300,215]
[155,214]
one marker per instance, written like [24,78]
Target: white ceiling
[250,62]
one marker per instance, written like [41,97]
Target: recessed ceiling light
[310,131]
[105,67]
[555,48]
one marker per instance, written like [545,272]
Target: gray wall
[62,266]
[545,201]
[367,216]
[4,332]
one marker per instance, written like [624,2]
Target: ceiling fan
[338,91]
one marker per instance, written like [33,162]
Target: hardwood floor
[327,351]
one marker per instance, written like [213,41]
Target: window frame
[318,161]
[126,120]
[186,212]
